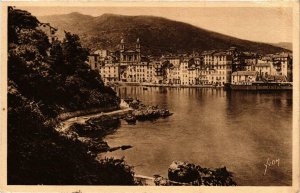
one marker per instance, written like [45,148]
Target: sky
[262,24]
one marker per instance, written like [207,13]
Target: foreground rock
[90,133]
[99,127]
[182,173]
[143,112]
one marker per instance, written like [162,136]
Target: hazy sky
[258,24]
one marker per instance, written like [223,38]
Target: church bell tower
[138,49]
[122,49]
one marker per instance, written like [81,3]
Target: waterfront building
[109,72]
[249,59]
[213,67]
[206,68]
[140,73]
[102,53]
[223,67]
[264,69]
[283,63]
[184,72]
[173,69]
[157,73]
[208,57]
[173,75]
[244,77]
[217,67]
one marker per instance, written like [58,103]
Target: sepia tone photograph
[150,96]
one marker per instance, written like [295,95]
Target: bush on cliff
[192,174]
[44,80]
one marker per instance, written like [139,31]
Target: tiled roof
[210,52]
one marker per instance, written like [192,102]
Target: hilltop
[158,35]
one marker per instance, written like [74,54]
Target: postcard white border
[150,189]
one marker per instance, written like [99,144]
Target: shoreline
[83,118]
[213,178]
[224,87]
[163,85]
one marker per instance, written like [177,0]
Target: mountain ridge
[158,35]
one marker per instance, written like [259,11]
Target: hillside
[285,45]
[158,35]
[44,81]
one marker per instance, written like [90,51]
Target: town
[208,68]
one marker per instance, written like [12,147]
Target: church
[130,56]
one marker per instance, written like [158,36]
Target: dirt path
[66,124]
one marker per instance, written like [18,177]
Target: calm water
[211,127]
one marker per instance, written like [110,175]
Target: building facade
[212,67]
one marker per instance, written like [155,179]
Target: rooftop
[209,52]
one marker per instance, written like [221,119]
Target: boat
[263,86]
[130,119]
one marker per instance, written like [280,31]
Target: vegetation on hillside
[44,80]
[158,35]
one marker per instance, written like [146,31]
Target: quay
[163,85]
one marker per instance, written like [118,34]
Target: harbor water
[212,128]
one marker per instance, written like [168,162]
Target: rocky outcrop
[146,112]
[183,173]
[94,145]
[96,127]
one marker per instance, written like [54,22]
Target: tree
[18,20]
[74,53]
[56,58]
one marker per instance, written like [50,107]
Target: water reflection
[211,127]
